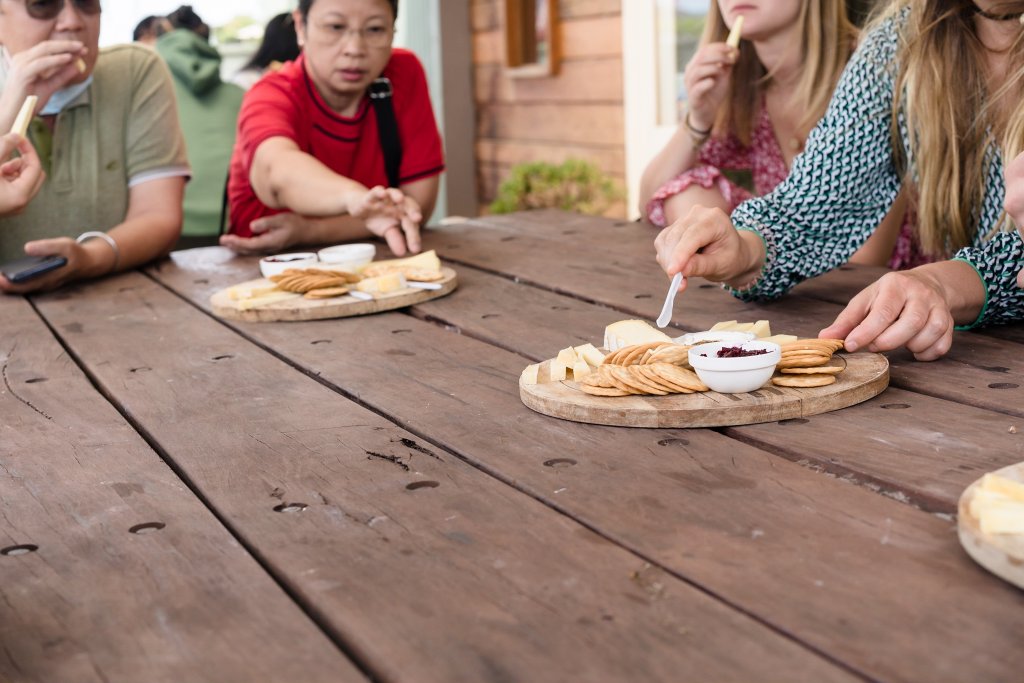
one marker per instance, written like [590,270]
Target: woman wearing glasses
[106,129]
[309,164]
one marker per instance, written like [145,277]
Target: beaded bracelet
[698,136]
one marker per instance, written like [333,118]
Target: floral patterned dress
[766,165]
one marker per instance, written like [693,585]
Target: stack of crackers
[808,363]
[654,369]
[315,283]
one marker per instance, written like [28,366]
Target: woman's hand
[80,264]
[20,178]
[271,235]
[41,70]
[706,244]
[915,308]
[707,82]
[391,214]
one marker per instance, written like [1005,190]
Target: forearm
[334,229]
[751,261]
[296,181]
[679,155]
[139,240]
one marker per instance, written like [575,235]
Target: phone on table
[24,269]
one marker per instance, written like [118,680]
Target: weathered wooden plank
[177,599]
[850,572]
[427,567]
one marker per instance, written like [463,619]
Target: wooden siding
[577,113]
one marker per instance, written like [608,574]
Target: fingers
[849,318]
[395,238]
[246,246]
[8,144]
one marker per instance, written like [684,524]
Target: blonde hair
[827,41]
[941,90]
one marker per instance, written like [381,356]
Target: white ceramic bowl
[350,257]
[278,263]
[734,375]
[691,338]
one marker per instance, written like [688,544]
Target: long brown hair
[942,91]
[827,41]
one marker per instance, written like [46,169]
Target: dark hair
[185,17]
[304,6]
[150,24]
[279,43]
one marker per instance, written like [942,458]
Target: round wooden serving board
[866,375]
[301,308]
[1001,554]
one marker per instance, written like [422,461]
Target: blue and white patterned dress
[843,184]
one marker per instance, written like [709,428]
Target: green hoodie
[208,109]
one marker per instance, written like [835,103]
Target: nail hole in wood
[35,380]
[673,442]
[400,331]
[488,316]
[508,239]
[290,507]
[1003,385]
[997,368]
[559,308]
[559,462]
[422,485]
[400,352]
[316,342]
[15,550]
[224,356]
[147,528]
[201,281]
[896,406]
[794,421]
[570,232]
[141,369]
[641,296]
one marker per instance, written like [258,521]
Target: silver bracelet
[86,236]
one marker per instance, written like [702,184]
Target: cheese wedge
[427,260]
[1014,490]
[983,499]
[580,370]
[761,329]
[256,302]
[1006,517]
[588,353]
[567,356]
[629,332]
[382,284]
[529,374]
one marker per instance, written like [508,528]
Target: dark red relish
[739,352]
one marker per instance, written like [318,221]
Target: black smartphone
[24,269]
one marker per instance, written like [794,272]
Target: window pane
[679,25]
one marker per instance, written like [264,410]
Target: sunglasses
[49,9]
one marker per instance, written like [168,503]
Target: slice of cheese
[382,284]
[567,356]
[1005,517]
[724,325]
[580,370]
[1014,490]
[761,329]
[258,301]
[780,338]
[629,332]
[982,499]
[529,374]
[591,355]
[557,371]
[427,260]
[242,293]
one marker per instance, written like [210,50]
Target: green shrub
[574,185]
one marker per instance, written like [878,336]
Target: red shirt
[287,104]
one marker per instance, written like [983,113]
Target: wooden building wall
[577,113]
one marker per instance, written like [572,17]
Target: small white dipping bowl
[350,257]
[278,263]
[691,338]
[734,375]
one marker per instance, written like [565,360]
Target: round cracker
[682,377]
[803,381]
[656,379]
[637,352]
[326,292]
[603,391]
[822,369]
[620,377]
[804,362]
[641,379]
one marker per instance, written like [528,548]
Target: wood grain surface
[302,309]
[1001,554]
[130,577]
[866,375]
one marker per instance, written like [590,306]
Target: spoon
[666,311]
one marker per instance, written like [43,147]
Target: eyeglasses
[49,9]
[373,36]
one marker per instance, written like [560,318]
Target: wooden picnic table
[366,499]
